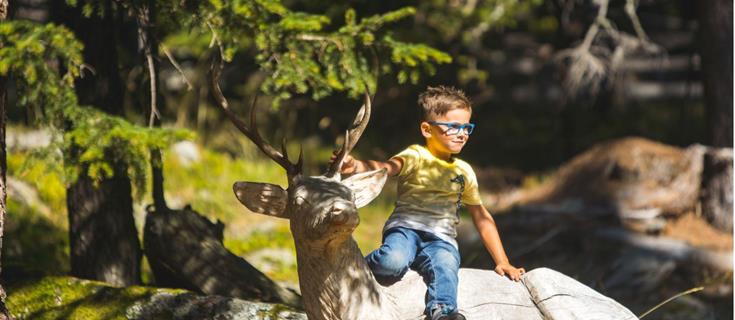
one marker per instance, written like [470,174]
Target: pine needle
[692,290]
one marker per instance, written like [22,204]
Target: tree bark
[4,313]
[102,234]
[715,48]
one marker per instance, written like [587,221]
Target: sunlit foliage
[44,61]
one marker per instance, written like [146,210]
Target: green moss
[71,298]
[275,312]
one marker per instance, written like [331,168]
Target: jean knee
[446,260]
[388,263]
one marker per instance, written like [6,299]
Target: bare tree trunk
[103,239]
[715,47]
[102,234]
[4,313]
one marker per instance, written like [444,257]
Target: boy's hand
[512,272]
[348,164]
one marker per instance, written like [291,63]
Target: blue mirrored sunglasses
[454,128]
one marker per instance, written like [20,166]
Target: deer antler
[352,136]
[251,131]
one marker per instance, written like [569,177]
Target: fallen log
[638,174]
[678,250]
[629,173]
[185,250]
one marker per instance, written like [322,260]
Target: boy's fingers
[500,271]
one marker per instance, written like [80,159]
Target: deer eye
[300,201]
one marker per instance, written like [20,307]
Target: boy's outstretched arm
[485,225]
[351,165]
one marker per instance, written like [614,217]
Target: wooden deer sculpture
[335,281]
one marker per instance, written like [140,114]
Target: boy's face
[437,135]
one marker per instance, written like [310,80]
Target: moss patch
[71,298]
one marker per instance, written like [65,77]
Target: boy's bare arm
[485,225]
[351,165]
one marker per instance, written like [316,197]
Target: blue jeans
[436,260]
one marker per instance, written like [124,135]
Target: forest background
[93,145]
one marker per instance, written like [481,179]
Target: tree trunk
[4,313]
[102,235]
[715,47]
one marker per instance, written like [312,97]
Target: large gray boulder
[541,294]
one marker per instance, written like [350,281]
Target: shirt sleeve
[410,158]
[471,195]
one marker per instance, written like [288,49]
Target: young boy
[432,186]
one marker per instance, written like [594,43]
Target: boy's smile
[439,142]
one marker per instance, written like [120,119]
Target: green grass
[33,244]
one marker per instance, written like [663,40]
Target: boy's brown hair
[437,101]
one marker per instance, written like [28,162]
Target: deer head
[320,207]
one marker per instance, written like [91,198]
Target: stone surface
[189,306]
[484,295]
[561,297]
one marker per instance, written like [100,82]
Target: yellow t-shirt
[430,191]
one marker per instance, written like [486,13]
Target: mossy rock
[72,298]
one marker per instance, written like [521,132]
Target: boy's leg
[391,261]
[438,262]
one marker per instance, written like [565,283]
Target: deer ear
[366,186]
[262,198]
